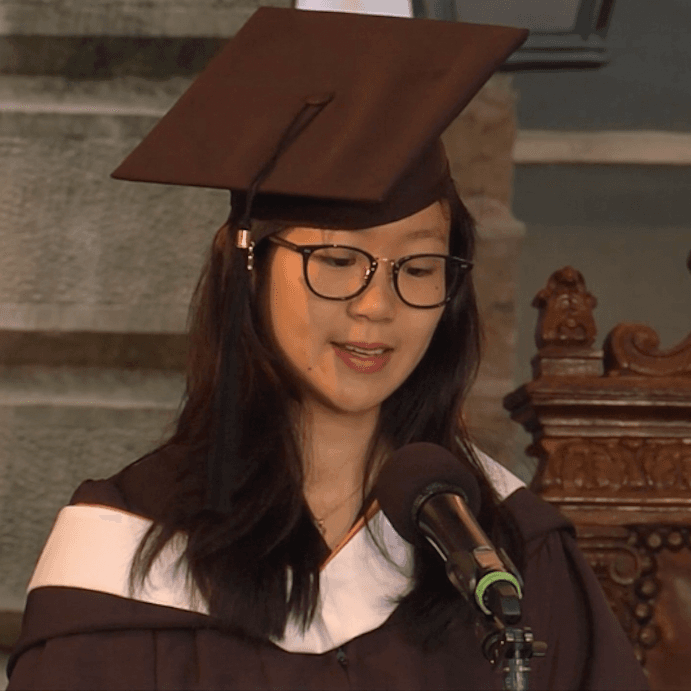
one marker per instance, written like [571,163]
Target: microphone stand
[508,649]
[506,646]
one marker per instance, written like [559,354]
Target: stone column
[479,145]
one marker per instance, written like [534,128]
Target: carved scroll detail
[627,570]
[565,312]
[634,349]
[612,466]
[619,566]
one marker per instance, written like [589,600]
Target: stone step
[111,351]
[70,387]
[135,18]
[103,39]
[128,96]
[106,57]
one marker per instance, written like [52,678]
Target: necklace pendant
[321,527]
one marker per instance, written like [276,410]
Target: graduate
[334,323]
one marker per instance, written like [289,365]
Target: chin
[353,398]
[352,406]
[349,405]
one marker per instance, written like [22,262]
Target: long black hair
[241,562]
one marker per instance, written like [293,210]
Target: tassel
[225,467]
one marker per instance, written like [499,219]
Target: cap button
[319,99]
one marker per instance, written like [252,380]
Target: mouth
[363,360]
[365,349]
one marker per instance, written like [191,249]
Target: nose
[379,299]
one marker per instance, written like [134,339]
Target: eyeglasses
[339,272]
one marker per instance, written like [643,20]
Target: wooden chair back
[611,429]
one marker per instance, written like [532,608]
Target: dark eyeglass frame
[307,250]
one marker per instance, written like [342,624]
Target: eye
[336,258]
[422,267]
[419,272]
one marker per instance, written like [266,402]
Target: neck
[335,446]
[335,452]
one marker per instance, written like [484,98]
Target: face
[311,331]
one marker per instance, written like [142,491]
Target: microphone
[428,496]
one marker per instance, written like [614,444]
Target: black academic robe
[86,638]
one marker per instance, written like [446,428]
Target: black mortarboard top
[373,93]
[333,120]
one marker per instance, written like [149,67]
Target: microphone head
[415,473]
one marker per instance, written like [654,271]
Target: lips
[367,346]
[364,363]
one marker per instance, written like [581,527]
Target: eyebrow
[419,234]
[425,233]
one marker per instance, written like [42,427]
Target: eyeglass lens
[339,272]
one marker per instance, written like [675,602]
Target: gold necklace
[321,522]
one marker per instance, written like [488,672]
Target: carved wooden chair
[611,430]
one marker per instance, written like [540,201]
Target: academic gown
[81,630]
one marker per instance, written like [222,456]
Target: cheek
[421,336]
[299,324]
[286,315]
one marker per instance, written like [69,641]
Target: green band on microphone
[490,579]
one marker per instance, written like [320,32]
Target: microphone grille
[413,474]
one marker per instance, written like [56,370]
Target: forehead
[431,224]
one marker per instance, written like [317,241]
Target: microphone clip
[492,579]
[509,650]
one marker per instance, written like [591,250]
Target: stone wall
[96,274]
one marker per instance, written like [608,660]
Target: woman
[334,323]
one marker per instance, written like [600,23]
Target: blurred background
[587,167]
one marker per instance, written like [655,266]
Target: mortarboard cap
[363,98]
